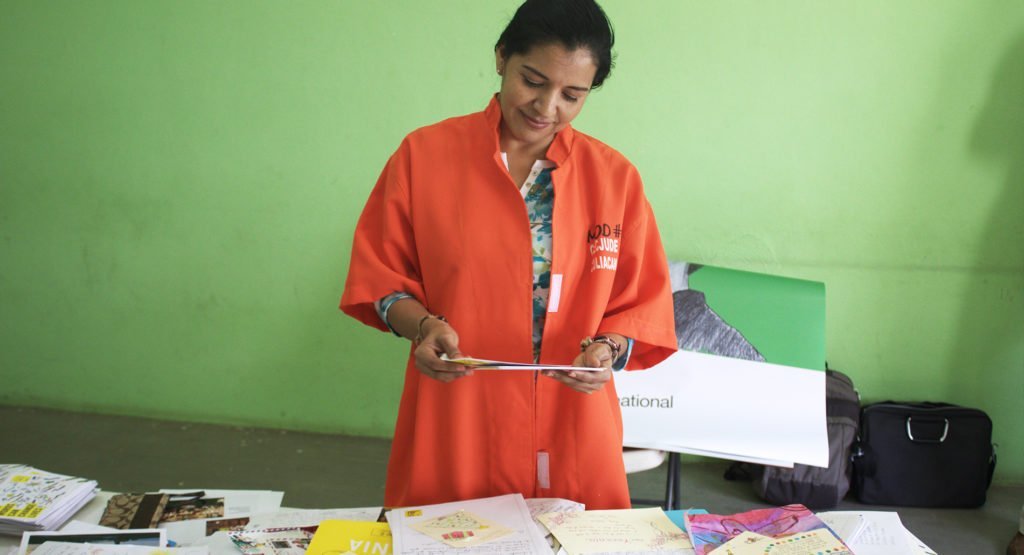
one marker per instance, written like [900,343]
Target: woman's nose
[545,104]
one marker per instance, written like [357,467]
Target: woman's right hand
[439,338]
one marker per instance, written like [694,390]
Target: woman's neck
[519,150]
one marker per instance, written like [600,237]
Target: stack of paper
[32,499]
[875,533]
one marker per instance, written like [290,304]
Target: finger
[452,367]
[570,376]
[444,376]
[598,379]
[586,380]
[443,367]
[456,370]
[589,377]
[598,357]
[558,375]
[449,344]
[574,383]
[428,362]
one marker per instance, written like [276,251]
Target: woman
[508,235]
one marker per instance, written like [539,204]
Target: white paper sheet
[485,364]
[146,537]
[662,446]
[542,505]
[79,527]
[731,408]
[289,518]
[883,534]
[917,546]
[846,524]
[879,533]
[218,544]
[93,510]
[237,503]
[508,510]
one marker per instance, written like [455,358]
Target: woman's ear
[499,60]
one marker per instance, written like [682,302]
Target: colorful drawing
[460,529]
[193,508]
[711,531]
[273,541]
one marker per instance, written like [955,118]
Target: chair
[639,460]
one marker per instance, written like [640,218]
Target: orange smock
[446,224]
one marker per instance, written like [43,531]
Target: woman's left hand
[597,355]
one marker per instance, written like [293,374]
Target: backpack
[816,488]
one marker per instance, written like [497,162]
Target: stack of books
[32,500]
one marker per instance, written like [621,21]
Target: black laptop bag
[923,455]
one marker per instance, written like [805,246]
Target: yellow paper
[335,537]
[629,530]
[737,545]
[801,543]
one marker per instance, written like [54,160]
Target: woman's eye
[571,98]
[530,83]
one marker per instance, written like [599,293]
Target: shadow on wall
[991,320]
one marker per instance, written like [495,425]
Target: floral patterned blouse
[539,195]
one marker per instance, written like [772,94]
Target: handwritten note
[625,531]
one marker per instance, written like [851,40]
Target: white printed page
[736,408]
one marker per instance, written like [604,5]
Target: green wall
[179,182]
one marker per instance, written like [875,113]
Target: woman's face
[542,91]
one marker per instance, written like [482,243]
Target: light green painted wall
[179,182]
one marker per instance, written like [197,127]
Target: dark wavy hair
[572,23]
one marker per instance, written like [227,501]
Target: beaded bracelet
[615,347]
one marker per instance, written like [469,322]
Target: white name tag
[555,294]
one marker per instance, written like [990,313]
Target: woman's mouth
[536,123]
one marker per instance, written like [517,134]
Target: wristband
[419,327]
[615,347]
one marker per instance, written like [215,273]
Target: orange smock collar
[558,151]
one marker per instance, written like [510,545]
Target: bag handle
[910,433]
